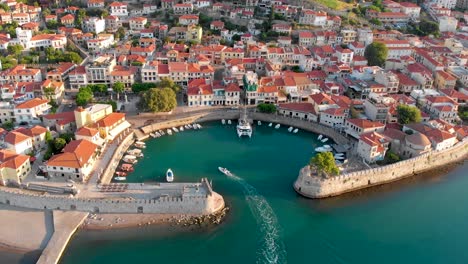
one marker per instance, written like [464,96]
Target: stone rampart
[315,187]
[185,204]
[302,124]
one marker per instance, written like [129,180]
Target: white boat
[186,127]
[175,129]
[181,128]
[190,126]
[195,126]
[135,152]
[157,134]
[295,130]
[320,137]
[223,122]
[140,144]
[161,132]
[244,128]
[323,149]
[290,129]
[339,154]
[277,126]
[118,178]
[169,132]
[324,140]
[130,159]
[327,146]
[229,122]
[200,127]
[153,135]
[259,123]
[169,175]
[339,157]
[225,171]
[270,124]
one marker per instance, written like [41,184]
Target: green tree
[427,27]
[8,125]
[266,108]
[52,24]
[48,137]
[376,54]
[168,83]
[45,12]
[84,96]
[391,157]
[141,87]
[463,112]
[67,137]
[79,17]
[5,7]
[408,114]
[120,34]
[324,162]
[118,88]
[15,50]
[58,144]
[159,100]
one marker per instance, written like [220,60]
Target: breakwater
[174,198]
[313,186]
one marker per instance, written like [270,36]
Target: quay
[65,224]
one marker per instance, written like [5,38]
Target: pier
[65,225]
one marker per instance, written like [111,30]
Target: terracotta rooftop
[75,154]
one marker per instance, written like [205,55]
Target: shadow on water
[383,191]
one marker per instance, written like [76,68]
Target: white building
[118,9]
[94,25]
[372,147]
[18,142]
[448,24]
[449,4]
[31,110]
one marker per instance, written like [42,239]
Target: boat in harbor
[127,167]
[121,174]
[153,135]
[118,178]
[169,175]
[324,140]
[158,134]
[270,124]
[195,126]
[199,126]
[259,122]
[225,171]
[339,157]
[181,128]
[320,137]
[295,130]
[190,126]
[186,127]
[323,149]
[277,126]
[169,132]
[161,132]
[140,144]
[243,127]
[130,159]
[223,122]
[175,129]
[229,122]
[135,152]
[290,129]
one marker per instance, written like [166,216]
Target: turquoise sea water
[421,220]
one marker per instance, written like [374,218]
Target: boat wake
[272,249]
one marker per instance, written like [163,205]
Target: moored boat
[277,126]
[195,126]
[169,175]
[118,178]
[169,132]
[223,122]
[295,130]
[175,129]
[323,149]
[324,140]
[270,124]
[229,122]
[153,135]
[225,171]
[181,128]
[140,144]
[130,159]
[290,129]
[127,167]
[320,137]
[259,122]
[121,174]
[199,126]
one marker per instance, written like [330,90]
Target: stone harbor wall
[205,202]
[109,171]
[316,187]
[302,124]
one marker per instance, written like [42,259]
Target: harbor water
[419,220]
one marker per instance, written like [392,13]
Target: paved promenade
[65,225]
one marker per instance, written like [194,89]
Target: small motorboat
[157,134]
[324,140]
[186,127]
[295,130]
[181,128]
[161,132]
[140,144]
[175,129]
[323,149]
[121,174]
[229,122]
[259,123]
[190,126]
[120,178]
[127,167]
[135,152]
[339,157]
[290,129]
[169,132]
[270,124]
[327,146]
[225,171]
[153,135]
[169,175]
[130,159]
[320,137]
[277,126]
[223,122]
[339,154]
[200,127]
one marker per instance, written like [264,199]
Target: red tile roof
[75,154]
